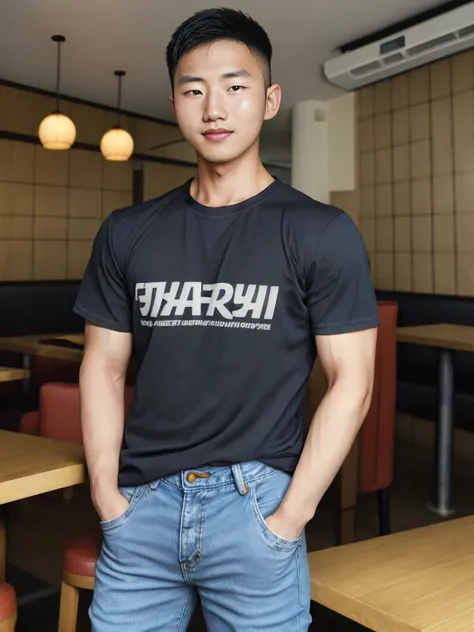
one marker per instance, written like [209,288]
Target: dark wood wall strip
[92,104]
[26,138]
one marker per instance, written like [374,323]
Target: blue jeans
[202,535]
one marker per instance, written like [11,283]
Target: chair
[372,454]
[7,608]
[79,559]
[58,416]
[60,402]
[377,436]
[378,431]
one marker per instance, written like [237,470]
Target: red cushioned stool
[79,560]
[59,418]
[7,608]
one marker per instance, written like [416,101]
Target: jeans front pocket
[133,495]
[267,494]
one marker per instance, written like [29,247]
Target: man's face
[220,88]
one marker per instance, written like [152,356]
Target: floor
[37,567]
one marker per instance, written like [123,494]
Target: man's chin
[218,157]
[223,152]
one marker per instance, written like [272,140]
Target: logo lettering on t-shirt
[176,299]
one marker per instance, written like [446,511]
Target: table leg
[3,543]
[25,384]
[442,503]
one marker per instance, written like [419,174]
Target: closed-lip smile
[217,134]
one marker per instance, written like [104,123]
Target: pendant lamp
[57,131]
[117,144]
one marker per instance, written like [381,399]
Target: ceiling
[105,35]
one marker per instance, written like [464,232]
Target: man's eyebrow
[233,74]
[190,79]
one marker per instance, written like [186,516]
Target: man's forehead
[219,53]
[227,59]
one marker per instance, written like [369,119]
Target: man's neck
[229,183]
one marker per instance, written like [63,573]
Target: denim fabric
[202,535]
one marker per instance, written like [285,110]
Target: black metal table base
[442,502]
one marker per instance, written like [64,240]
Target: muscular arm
[348,360]
[102,383]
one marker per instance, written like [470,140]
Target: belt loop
[239,479]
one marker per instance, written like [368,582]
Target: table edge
[364,614]
[42,483]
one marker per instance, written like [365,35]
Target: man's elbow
[96,365]
[357,395]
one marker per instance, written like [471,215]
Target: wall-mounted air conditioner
[417,45]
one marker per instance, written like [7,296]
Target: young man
[223,289]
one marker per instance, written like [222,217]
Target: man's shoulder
[309,213]
[128,219]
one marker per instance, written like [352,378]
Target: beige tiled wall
[416,180]
[52,202]
[51,206]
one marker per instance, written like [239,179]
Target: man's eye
[193,92]
[236,88]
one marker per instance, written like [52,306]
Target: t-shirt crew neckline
[218,212]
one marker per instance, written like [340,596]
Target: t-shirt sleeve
[103,298]
[340,293]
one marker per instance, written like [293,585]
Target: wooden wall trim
[26,138]
[93,104]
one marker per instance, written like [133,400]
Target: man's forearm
[332,432]
[102,418]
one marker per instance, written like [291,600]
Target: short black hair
[212,25]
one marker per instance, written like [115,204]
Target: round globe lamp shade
[57,131]
[116,145]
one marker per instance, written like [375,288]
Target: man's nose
[215,107]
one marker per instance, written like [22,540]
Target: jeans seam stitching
[183,612]
[184,573]
[201,527]
[130,509]
[283,545]
[298,579]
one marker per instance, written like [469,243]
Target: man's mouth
[216,135]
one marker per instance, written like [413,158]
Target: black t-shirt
[223,304]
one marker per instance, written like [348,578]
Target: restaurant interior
[390,548]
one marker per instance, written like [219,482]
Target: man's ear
[171,98]
[273,100]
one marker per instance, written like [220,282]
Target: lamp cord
[119,100]
[58,76]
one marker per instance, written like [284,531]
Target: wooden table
[447,338]
[415,581]
[35,345]
[30,466]
[11,374]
